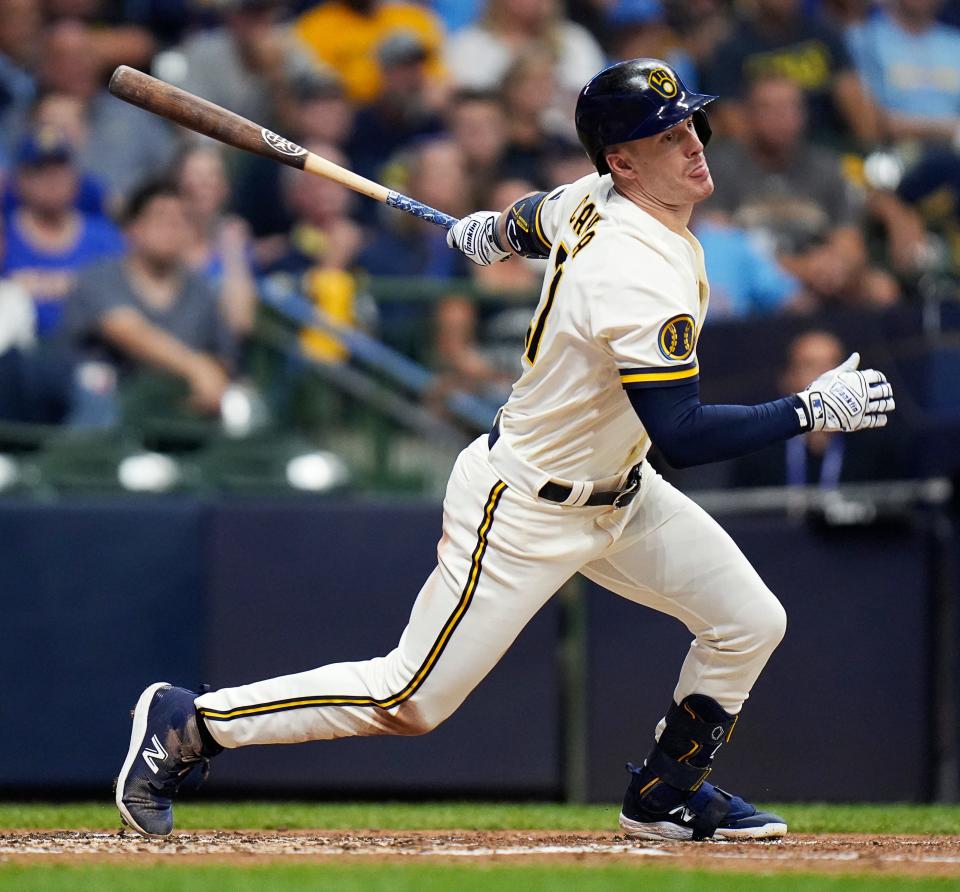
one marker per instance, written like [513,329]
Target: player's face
[669,168]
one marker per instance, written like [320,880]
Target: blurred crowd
[129,244]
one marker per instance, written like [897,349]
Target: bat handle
[418,209]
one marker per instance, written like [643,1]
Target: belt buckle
[629,493]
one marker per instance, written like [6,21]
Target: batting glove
[476,236]
[845,399]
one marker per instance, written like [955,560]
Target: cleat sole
[667,830]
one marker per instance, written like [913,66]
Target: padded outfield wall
[101,597]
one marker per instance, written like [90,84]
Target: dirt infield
[842,853]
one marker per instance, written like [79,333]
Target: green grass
[199,815]
[432,878]
[361,876]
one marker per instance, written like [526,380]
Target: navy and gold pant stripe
[420,676]
[632,379]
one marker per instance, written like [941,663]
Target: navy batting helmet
[633,99]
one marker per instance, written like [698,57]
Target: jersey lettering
[579,246]
[583,221]
[535,332]
[584,217]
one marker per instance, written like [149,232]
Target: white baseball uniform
[621,307]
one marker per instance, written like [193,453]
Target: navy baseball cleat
[165,746]
[709,812]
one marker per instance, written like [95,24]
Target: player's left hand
[845,399]
[475,235]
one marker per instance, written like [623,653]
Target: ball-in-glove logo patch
[662,82]
[678,337]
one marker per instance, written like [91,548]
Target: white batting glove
[476,236]
[844,399]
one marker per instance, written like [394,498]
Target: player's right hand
[845,399]
[475,235]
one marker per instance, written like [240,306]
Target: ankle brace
[680,760]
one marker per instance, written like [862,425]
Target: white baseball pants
[502,555]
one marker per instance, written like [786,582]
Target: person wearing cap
[47,240]
[403,111]
[315,110]
[54,110]
[345,34]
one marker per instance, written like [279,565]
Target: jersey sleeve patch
[633,379]
[678,337]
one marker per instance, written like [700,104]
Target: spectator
[345,34]
[64,114]
[911,66]
[478,124]
[245,64]
[316,110]
[20,24]
[402,111]
[322,250]
[124,144]
[47,240]
[321,111]
[479,344]
[148,311]
[844,14]
[922,217]
[794,195]
[565,161]
[528,92]
[639,28]
[745,278]
[219,248]
[480,56]
[778,40]
[819,458]
[116,39]
[435,172]
[701,26]
[35,378]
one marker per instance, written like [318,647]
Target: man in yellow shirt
[345,35]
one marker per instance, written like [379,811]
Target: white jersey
[621,307]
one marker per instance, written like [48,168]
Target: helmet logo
[662,82]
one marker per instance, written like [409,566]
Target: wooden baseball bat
[212,120]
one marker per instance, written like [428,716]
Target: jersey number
[535,332]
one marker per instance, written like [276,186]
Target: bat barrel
[202,116]
[225,126]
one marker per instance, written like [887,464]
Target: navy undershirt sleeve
[688,433]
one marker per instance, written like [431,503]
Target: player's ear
[618,162]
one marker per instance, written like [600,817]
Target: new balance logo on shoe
[158,752]
[685,814]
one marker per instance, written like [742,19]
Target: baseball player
[561,485]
